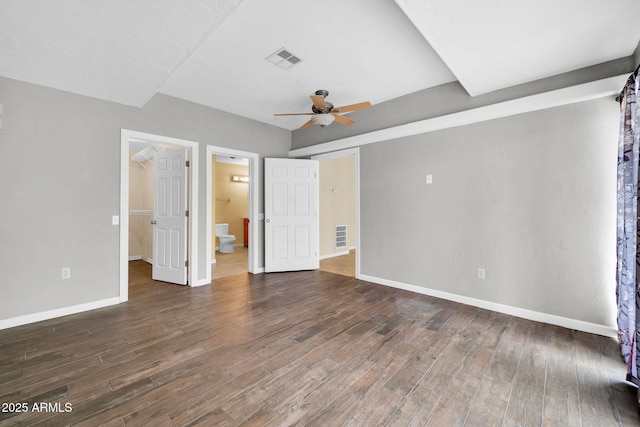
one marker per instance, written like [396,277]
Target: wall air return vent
[283,58]
[341,236]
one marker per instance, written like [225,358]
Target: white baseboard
[579,325]
[149,260]
[213,261]
[333,255]
[59,312]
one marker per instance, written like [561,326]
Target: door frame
[254,240]
[355,152]
[126,136]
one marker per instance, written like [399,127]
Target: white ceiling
[213,51]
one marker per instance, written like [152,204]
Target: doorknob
[153,222]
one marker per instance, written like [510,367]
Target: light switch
[115,220]
[429,179]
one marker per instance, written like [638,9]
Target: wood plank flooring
[343,264]
[305,348]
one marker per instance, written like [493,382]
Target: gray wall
[60,185]
[530,198]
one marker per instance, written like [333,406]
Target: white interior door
[170,217]
[291,214]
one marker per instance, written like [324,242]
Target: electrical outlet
[429,179]
[65,273]
[481,274]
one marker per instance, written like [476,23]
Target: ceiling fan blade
[307,125]
[294,114]
[343,120]
[318,102]
[353,107]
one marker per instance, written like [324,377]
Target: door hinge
[188,163]
[186,213]
[186,263]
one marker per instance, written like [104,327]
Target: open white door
[170,217]
[291,215]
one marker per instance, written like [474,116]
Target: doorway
[243,258]
[131,139]
[230,216]
[340,212]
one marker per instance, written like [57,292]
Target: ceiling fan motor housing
[329,107]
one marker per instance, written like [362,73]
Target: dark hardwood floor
[305,348]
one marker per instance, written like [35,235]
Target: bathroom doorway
[230,215]
[232,206]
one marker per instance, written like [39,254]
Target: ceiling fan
[324,113]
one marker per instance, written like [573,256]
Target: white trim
[333,255]
[335,154]
[254,182]
[555,98]
[124,219]
[580,325]
[135,257]
[344,153]
[58,312]
[126,136]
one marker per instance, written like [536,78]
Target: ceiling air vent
[283,58]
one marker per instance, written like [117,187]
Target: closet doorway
[132,143]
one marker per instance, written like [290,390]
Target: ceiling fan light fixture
[323,120]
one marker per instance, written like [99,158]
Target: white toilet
[226,239]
